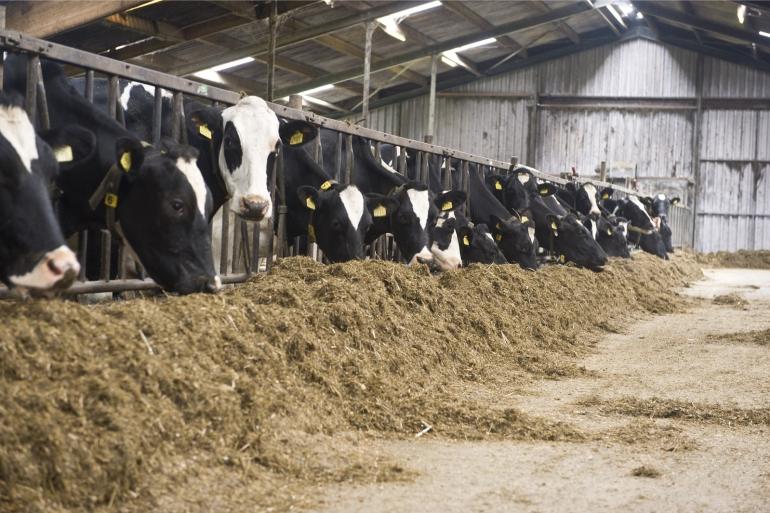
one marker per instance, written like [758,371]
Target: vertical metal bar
[283,210]
[33,62]
[532,135]
[349,160]
[177,117]
[89,92]
[82,250]
[157,115]
[271,231]
[255,248]
[42,100]
[236,259]
[338,158]
[423,177]
[223,250]
[273,35]
[402,161]
[112,97]
[106,255]
[603,171]
[418,165]
[432,100]
[2,55]
[370,26]
[697,135]
[467,184]
[121,261]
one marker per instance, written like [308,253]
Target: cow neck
[218,188]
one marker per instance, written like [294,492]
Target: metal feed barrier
[239,257]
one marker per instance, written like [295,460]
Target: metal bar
[89,91]
[255,248]
[112,96]
[432,99]
[349,161]
[177,115]
[370,26]
[235,261]
[338,158]
[697,137]
[106,255]
[31,97]
[223,250]
[82,250]
[157,115]
[271,230]
[273,35]
[42,100]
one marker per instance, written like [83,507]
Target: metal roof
[321,43]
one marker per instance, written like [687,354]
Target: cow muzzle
[423,257]
[254,208]
[56,270]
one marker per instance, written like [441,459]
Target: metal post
[178,132]
[273,35]
[338,158]
[33,65]
[432,100]
[157,115]
[348,161]
[370,26]
[112,97]
[295,101]
[697,134]
[2,25]
[42,100]
[532,135]
[603,171]
[89,92]
[224,248]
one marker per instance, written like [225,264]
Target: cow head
[162,210]
[445,247]
[661,204]
[574,243]
[478,246]
[33,254]
[512,190]
[635,211]
[611,237]
[586,199]
[516,239]
[340,216]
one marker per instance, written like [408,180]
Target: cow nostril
[54,267]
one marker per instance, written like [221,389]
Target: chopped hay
[650,433]
[731,299]
[646,471]
[242,395]
[739,259]
[759,337]
[656,408]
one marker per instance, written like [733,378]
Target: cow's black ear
[647,201]
[449,200]
[129,155]
[381,206]
[72,145]
[308,196]
[554,223]
[675,200]
[297,133]
[606,193]
[526,218]
[495,182]
[546,189]
[205,123]
[496,225]
[465,234]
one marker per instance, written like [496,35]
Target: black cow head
[33,254]
[340,218]
[516,239]
[477,245]
[512,190]
[611,237]
[574,243]
[661,204]
[162,209]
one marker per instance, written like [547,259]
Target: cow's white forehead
[353,201]
[126,94]
[591,192]
[523,177]
[19,132]
[420,204]
[531,232]
[189,169]
[635,201]
[661,196]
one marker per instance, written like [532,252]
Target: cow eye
[177,205]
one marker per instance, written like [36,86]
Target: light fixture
[390,22]
[140,6]
[627,8]
[473,45]
[212,74]
[449,62]
[616,15]
[450,57]
[639,15]
[764,34]
[741,14]
[317,89]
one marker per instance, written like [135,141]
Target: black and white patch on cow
[478,245]
[573,242]
[33,254]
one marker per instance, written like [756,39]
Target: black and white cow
[33,254]
[660,208]
[478,245]
[610,233]
[583,197]
[641,229]
[162,201]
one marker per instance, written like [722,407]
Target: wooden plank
[563,27]
[47,18]
[159,29]
[465,12]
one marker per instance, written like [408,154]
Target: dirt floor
[676,411]
[370,386]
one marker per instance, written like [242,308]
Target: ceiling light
[210,75]
[143,5]
[639,15]
[390,22]
[474,45]
[626,8]
[741,14]
[232,64]
[765,34]
[447,60]
[317,89]
[616,15]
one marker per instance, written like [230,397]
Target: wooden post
[31,103]
[2,59]
[370,26]
[432,100]
[603,171]
[697,134]
[295,101]
[273,26]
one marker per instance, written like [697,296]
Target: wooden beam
[690,9]
[606,19]
[159,29]
[565,29]
[462,10]
[47,18]
[506,28]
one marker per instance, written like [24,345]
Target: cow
[477,245]
[660,207]
[582,197]
[556,229]
[641,230]
[610,234]
[417,209]
[33,254]
[160,202]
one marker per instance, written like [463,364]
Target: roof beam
[45,19]
[507,28]
[690,9]
[608,21]
[719,29]
[159,29]
[565,29]
[299,36]
[465,12]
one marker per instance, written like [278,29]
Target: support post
[603,171]
[370,26]
[2,58]
[697,134]
[89,92]
[533,123]
[157,115]
[33,65]
[295,101]
[432,100]
[273,26]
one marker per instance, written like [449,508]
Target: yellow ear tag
[554,227]
[446,206]
[544,190]
[605,196]
[111,200]
[205,131]
[326,185]
[498,237]
[609,231]
[562,258]
[63,154]
[498,185]
[296,138]
[380,211]
[125,161]
[498,226]
[466,242]
[311,233]
[524,219]
[310,203]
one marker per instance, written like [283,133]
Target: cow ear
[495,182]
[546,189]
[381,206]
[297,133]
[72,145]
[554,223]
[647,201]
[606,193]
[449,200]
[675,200]
[129,155]
[465,234]
[205,123]
[308,196]
[526,218]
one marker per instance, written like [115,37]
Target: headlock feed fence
[239,250]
